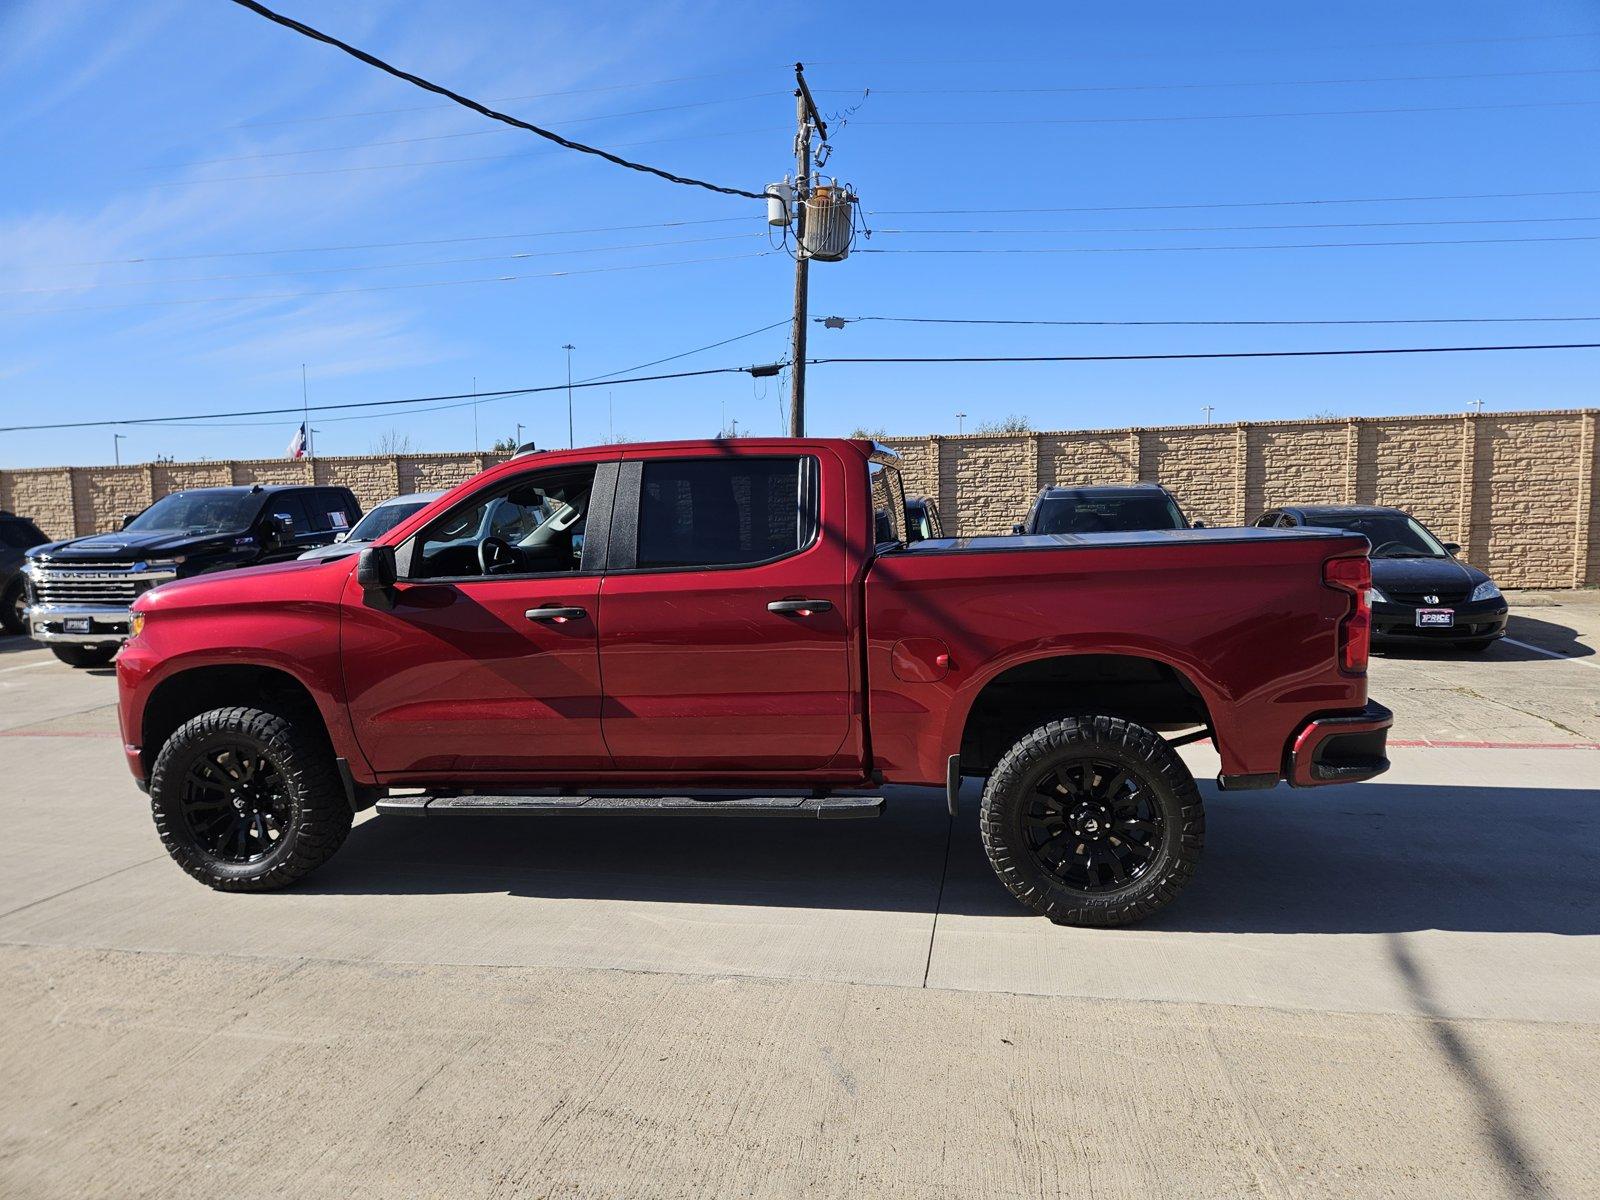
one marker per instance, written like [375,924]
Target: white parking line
[1551,653]
[27,666]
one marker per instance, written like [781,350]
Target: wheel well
[1142,690]
[190,693]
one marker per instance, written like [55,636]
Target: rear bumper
[1343,748]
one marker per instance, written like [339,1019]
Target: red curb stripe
[26,733]
[1430,743]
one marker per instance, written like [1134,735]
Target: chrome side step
[825,808]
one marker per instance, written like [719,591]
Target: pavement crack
[938,902]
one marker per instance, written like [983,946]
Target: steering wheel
[1378,551]
[494,554]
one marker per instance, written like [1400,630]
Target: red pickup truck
[748,626]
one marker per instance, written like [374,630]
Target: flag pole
[305,410]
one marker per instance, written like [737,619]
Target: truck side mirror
[1016,527]
[127,519]
[273,533]
[1453,547]
[376,569]
[1197,525]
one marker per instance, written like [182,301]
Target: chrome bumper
[47,623]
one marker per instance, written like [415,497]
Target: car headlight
[1376,596]
[1486,591]
[135,624]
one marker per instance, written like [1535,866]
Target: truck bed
[1240,618]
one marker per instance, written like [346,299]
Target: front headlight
[1376,596]
[1486,591]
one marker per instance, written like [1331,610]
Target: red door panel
[455,678]
[699,674]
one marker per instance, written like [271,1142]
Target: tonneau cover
[1101,541]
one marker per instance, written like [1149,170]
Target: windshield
[382,519]
[1107,514]
[199,512]
[1393,535]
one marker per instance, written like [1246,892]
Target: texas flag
[297,445]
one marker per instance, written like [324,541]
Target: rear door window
[722,512]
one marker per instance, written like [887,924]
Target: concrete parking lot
[1391,989]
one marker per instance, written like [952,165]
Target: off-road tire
[1161,778]
[319,813]
[11,603]
[84,656]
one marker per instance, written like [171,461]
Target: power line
[1236,228]
[389,287]
[1246,83]
[1233,322]
[395,266]
[687,353]
[486,397]
[480,237]
[434,162]
[967,212]
[1048,358]
[1101,55]
[613,87]
[467,396]
[1252,246]
[1191,117]
[440,137]
[417,81]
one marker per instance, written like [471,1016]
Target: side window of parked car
[723,512]
[329,510]
[286,506]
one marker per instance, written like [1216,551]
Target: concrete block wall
[1520,491]
[72,501]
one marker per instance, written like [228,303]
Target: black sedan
[1421,593]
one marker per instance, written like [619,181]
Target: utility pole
[807,121]
[474,414]
[518,446]
[961,423]
[569,348]
[116,447]
[1207,409]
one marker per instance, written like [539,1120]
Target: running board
[826,808]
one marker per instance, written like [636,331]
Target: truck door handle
[557,613]
[802,608]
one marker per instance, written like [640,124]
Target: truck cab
[725,627]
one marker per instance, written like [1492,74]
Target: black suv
[79,591]
[16,535]
[1104,508]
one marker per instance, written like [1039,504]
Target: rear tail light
[1352,575]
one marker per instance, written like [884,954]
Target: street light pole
[569,348]
[116,447]
[961,423]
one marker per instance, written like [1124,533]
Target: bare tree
[393,442]
[1010,424]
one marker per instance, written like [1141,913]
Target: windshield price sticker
[339,520]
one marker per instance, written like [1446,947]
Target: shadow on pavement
[1373,858]
[11,643]
[1558,639]
[1518,1165]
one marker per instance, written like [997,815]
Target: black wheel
[1092,821]
[11,605]
[1475,646]
[248,801]
[84,656]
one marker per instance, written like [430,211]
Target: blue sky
[209,143]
